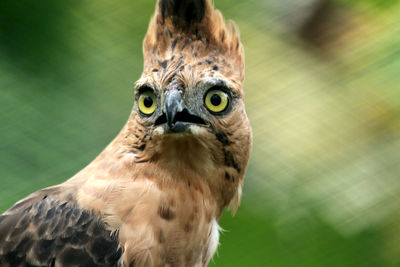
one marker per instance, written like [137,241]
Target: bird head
[189,102]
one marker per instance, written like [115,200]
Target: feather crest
[192,27]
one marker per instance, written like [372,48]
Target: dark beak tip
[170,124]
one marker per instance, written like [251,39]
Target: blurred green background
[322,94]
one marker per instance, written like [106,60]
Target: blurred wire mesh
[322,93]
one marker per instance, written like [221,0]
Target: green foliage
[378,4]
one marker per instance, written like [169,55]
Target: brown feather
[50,232]
[164,192]
[192,33]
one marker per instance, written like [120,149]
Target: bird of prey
[155,194]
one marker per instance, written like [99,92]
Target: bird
[155,194]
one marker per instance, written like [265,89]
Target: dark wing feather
[53,233]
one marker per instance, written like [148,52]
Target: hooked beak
[173,104]
[176,115]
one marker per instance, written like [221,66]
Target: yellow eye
[147,102]
[216,101]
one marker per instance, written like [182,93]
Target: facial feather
[189,47]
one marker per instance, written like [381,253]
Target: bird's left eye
[216,101]
[147,102]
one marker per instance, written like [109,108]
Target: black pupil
[215,100]
[148,101]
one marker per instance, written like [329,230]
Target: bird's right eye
[147,102]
